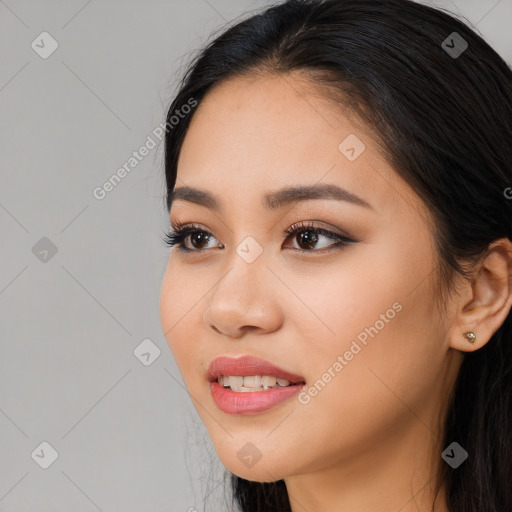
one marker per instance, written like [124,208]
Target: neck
[399,475]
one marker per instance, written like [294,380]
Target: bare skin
[370,439]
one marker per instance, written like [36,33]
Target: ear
[485,299]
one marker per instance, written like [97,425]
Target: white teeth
[234,381]
[251,382]
[243,389]
[268,382]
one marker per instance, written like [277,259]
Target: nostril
[216,329]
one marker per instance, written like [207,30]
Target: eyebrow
[272,200]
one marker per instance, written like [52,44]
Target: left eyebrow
[273,200]
[290,195]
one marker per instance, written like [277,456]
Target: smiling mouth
[252,383]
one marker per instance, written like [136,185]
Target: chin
[263,474]
[250,464]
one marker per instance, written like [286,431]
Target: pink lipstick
[257,384]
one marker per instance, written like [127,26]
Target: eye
[180,234]
[307,234]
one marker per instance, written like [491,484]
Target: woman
[339,290]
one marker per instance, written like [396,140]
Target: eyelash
[180,232]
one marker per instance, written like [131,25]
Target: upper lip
[248,365]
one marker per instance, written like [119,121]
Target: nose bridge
[242,296]
[246,270]
[246,257]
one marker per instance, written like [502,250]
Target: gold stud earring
[470,336]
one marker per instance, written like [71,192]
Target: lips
[248,365]
[250,402]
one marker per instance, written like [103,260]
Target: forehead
[250,122]
[250,135]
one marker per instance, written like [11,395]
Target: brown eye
[179,238]
[308,238]
[198,239]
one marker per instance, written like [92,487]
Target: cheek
[168,303]
[180,307]
[374,370]
[344,297]
[375,292]
[375,339]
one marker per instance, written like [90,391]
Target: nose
[244,300]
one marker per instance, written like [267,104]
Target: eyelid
[341,239]
[320,225]
[177,226]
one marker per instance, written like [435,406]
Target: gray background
[127,435]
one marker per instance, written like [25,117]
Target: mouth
[248,385]
[246,374]
[252,383]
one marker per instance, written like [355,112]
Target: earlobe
[486,299]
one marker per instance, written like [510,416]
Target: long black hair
[441,106]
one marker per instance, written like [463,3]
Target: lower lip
[250,402]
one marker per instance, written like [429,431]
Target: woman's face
[356,322]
